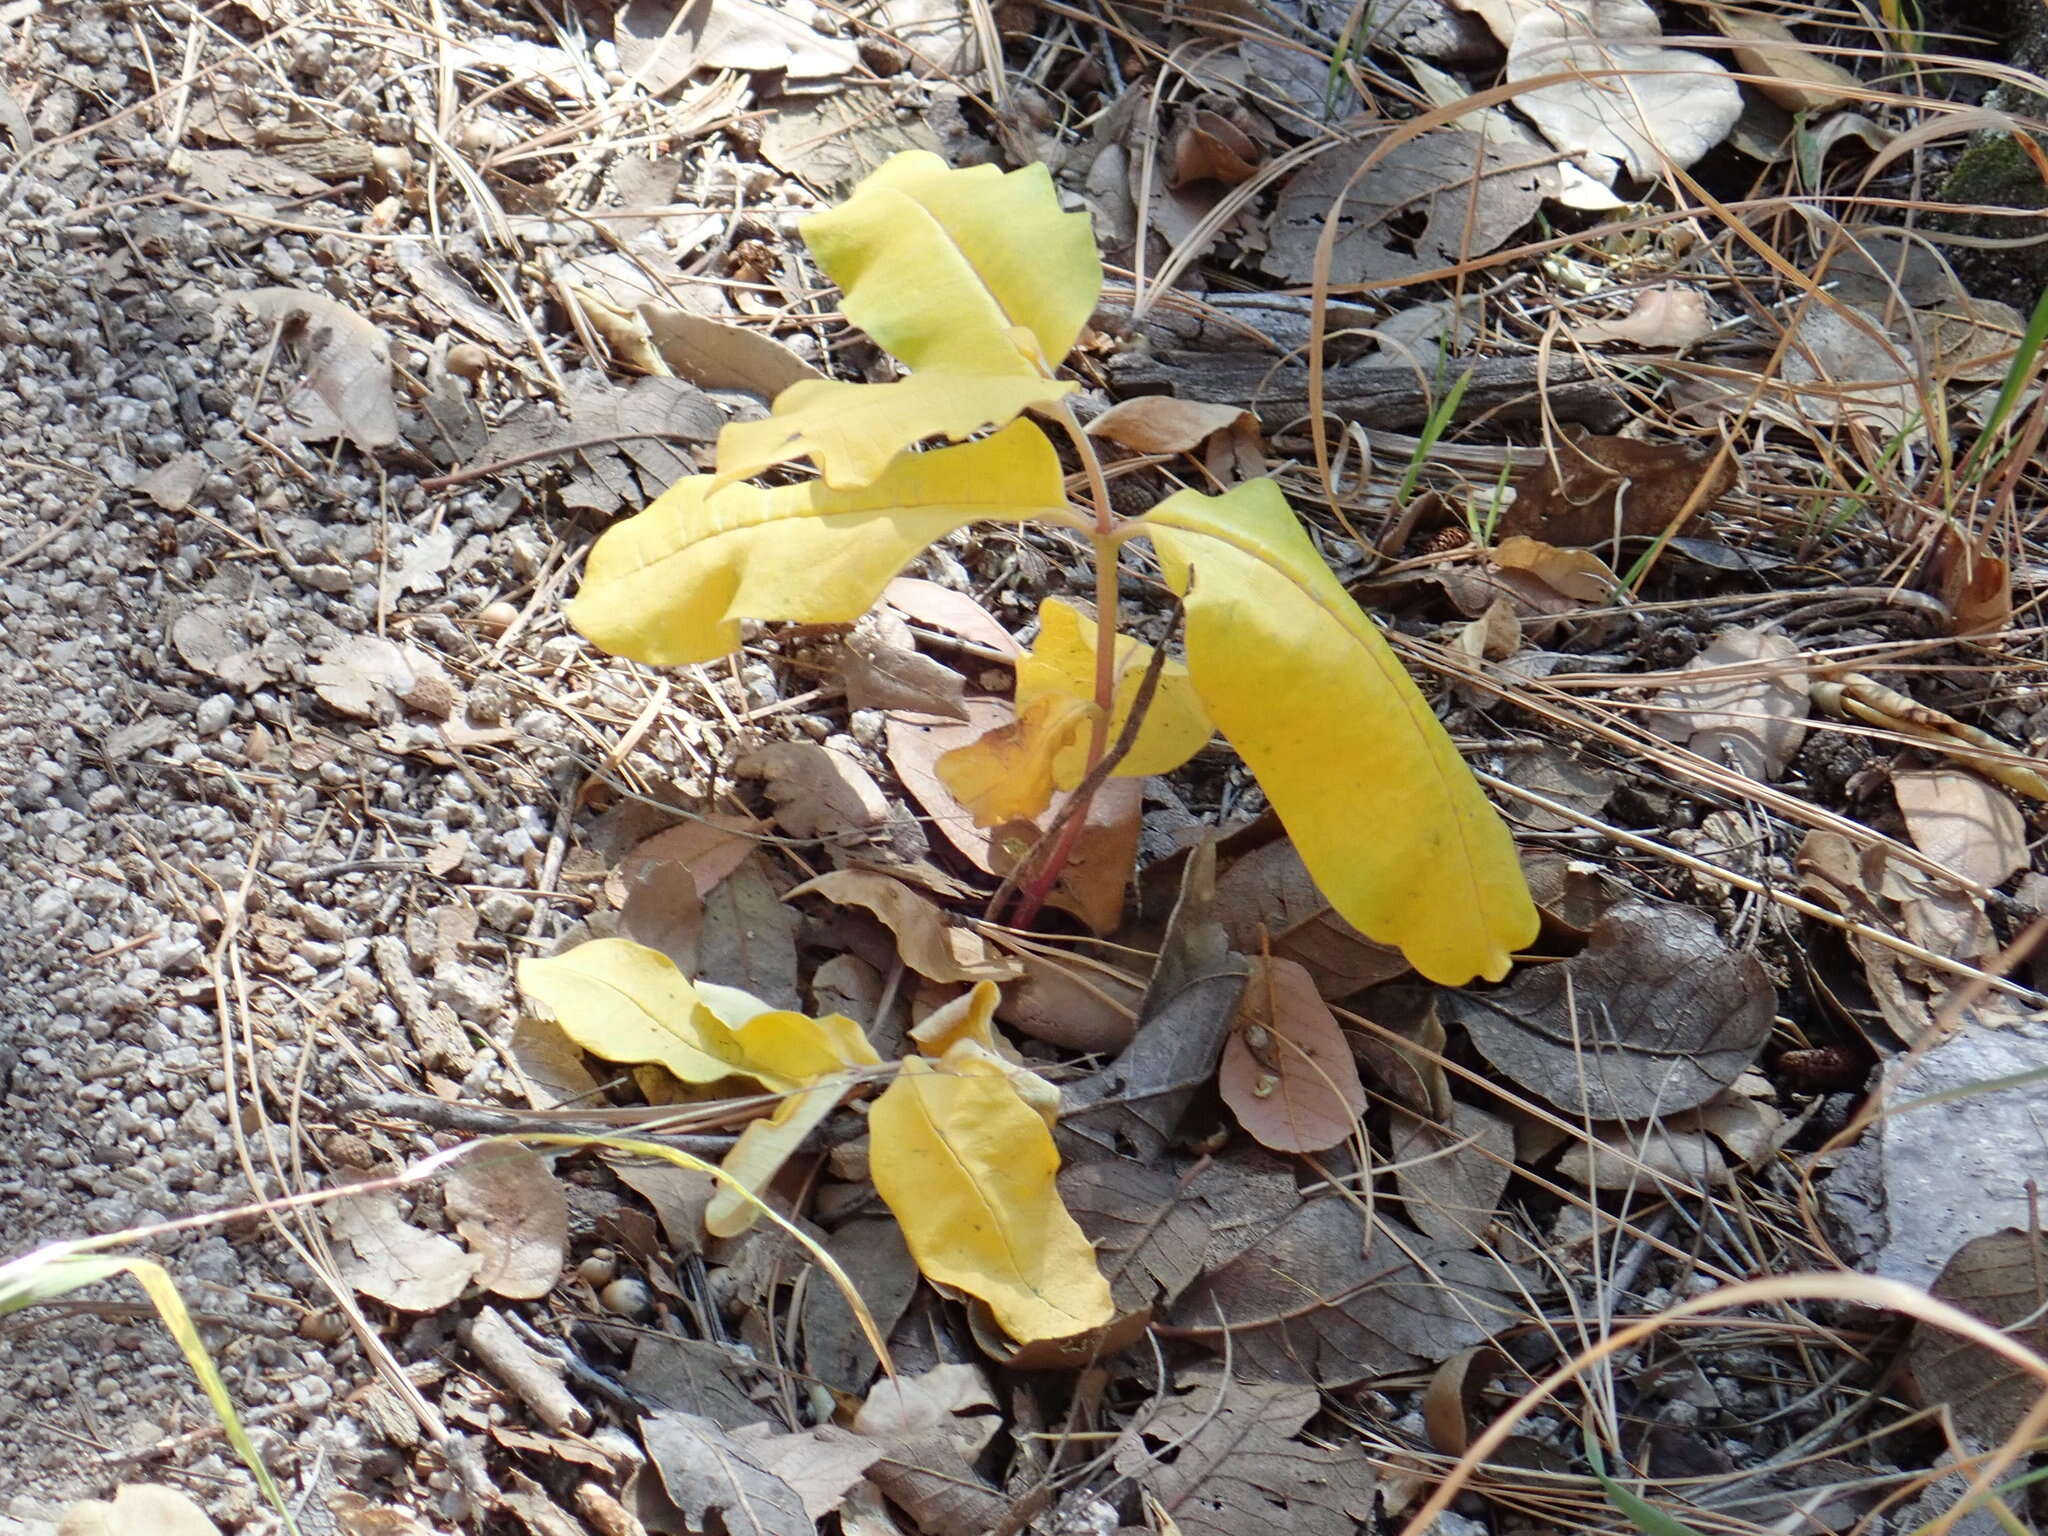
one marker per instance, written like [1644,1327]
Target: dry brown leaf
[1596,489]
[1071,1004]
[549,1065]
[1210,147]
[1957,818]
[1452,1177]
[662,43]
[1327,1298]
[836,1348]
[916,743]
[1136,1103]
[1577,576]
[1608,1156]
[373,678]
[381,1254]
[663,911]
[514,1214]
[929,942]
[885,670]
[749,938]
[1972,583]
[1668,104]
[1663,317]
[1752,718]
[1998,1277]
[714,355]
[1452,1399]
[137,1509]
[954,612]
[1167,424]
[1221,1459]
[1407,1060]
[1494,636]
[1416,210]
[822,1464]
[1655,1015]
[1286,1072]
[1793,74]
[709,847]
[347,392]
[1268,904]
[1841,364]
[1557,774]
[709,1471]
[818,791]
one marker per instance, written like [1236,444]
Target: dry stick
[574,445]
[1071,819]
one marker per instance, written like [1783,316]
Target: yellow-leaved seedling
[980,284]
[960,1145]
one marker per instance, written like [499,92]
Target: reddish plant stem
[1033,895]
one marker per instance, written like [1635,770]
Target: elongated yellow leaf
[764,1146]
[1062,661]
[968,1169]
[938,265]
[672,584]
[628,1003]
[1382,809]
[852,432]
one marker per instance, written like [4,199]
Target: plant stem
[1107,551]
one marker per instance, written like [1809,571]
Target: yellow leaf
[967,1168]
[628,1003]
[672,584]
[764,1146]
[1383,810]
[1062,661]
[852,432]
[779,1043]
[939,265]
[1006,774]
[965,1029]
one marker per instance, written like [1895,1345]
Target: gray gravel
[174,563]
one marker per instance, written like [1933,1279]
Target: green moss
[1995,170]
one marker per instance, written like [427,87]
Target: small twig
[471,1120]
[1067,825]
[555,450]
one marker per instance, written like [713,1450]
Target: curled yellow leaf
[968,1169]
[672,584]
[1386,816]
[1007,773]
[763,1147]
[939,265]
[1062,662]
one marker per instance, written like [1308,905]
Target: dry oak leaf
[930,943]
[1416,210]
[1663,317]
[1656,1014]
[884,669]
[1167,424]
[1996,1277]
[384,1256]
[347,392]
[1749,708]
[1327,1298]
[707,1471]
[1965,823]
[1596,489]
[1630,99]
[137,1509]
[1793,74]
[514,1214]
[1221,1459]
[1452,1177]
[1268,904]
[1286,1072]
